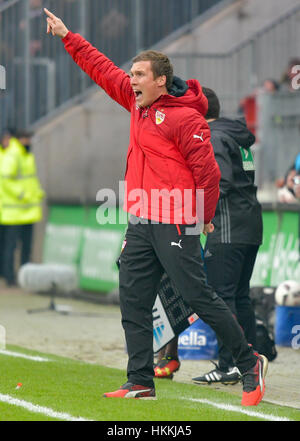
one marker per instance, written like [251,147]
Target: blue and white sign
[198,342]
[162,330]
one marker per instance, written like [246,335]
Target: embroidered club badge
[160,117]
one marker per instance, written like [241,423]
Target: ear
[162,80]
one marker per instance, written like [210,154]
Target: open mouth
[137,93]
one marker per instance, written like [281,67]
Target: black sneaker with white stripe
[232,376]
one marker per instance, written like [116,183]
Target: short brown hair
[160,64]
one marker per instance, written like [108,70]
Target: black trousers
[13,234]
[151,250]
[11,237]
[26,233]
[229,269]
[2,235]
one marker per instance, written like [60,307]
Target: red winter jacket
[170,155]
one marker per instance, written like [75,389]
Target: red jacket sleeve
[193,138]
[101,69]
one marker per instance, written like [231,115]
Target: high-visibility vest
[1,155]
[20,187]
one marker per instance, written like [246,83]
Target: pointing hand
[55,25]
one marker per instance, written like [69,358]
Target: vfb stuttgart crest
[160,117]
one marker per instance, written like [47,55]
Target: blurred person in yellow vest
[22,198]
[4,143]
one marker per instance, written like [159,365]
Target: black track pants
[229,269]
[151,250]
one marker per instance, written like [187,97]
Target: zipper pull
[145,115]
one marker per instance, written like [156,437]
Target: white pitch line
[20,355]
[231,408]
[39,409]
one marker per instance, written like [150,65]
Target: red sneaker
[254,382]
[166,367]
[130,390]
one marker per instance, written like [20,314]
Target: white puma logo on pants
[174,244]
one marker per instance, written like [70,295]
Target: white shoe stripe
[133,393]
[234,371]
[217,376]
[261,376]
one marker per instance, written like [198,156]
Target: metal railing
[236,73]
[39,77]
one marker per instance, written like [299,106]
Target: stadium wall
[83,149]
[74,237]
[234,24]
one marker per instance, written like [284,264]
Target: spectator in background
[289,186]
[4,142]
[289,193]
[270,86]
[35,14]
[1,227]
[21,201]
[248,105]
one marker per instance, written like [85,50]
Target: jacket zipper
[144,115]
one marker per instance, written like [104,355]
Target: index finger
[49,13]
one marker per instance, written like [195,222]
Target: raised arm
[100,69]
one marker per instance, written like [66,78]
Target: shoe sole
[134,398]
[264,373]
[166,377]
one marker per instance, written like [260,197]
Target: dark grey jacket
[238,217]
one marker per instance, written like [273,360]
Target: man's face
[25,140]
[269,86]
[5,141]
[146,88]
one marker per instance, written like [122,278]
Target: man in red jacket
[172,182]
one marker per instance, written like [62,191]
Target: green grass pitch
[62,388]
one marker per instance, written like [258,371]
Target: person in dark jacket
[169,150]
[231,249]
